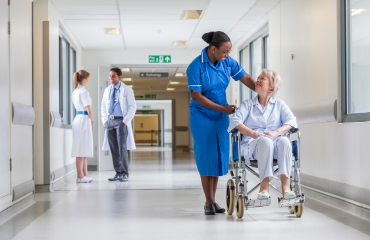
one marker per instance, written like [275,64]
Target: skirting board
[17,207]
[23,189]
[335,201]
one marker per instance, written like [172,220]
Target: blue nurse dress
[209,127]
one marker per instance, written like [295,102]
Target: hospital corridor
[173,119]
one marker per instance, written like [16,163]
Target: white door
[105,157]
[4,104]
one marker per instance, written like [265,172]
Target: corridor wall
[308,29]
[53,145]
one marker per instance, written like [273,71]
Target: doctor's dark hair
[79,76]
[117,70]
[215,38]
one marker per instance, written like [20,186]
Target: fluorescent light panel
[170,89]
[126,79]
[111,31]
[125,69]
[191,14]
[175,82]
[180,75]
[179,43]
[356,11]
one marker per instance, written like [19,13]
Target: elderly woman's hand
[257,135]
[273,134]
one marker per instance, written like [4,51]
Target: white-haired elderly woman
[262,121]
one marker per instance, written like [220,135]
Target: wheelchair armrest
[235,130]
[293,130]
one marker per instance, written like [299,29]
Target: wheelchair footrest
[291,202]
[258,203]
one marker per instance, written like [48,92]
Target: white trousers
[266,151]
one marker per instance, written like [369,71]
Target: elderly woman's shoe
[289,195]
[218,209]
[263,195]
[209,210]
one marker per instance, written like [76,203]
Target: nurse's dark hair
[116,70]
[216,38]
[79,76]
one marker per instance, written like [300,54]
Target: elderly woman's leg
[263,153]
[284,157]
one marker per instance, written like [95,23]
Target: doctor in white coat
[117,110]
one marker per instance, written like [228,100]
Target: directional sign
[139,96]
[159,58]
[153,75]
[148,95]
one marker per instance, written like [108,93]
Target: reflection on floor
[164,200]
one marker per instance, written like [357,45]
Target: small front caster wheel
[230,196]
[298,211]
[291,210]
[240,205]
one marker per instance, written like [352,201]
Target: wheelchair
[236,188]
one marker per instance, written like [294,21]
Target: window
[356,52]
[67,66]
[253,58]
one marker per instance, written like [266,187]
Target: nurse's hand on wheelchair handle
[229,109]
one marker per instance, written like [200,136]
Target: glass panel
[256,61]
[245,60]
[64,81]
[359,61]
[265,53]
[74,69]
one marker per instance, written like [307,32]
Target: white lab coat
[128,107]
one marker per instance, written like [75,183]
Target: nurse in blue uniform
[208,77]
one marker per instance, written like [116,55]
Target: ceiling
[157,23]
[156,84]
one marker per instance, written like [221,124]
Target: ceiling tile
[214,25]
[89,9]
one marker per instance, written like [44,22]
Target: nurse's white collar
[255,100]
[80,86]
[204,55]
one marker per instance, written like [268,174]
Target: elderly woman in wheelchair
[262,123]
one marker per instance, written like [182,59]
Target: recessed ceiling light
[180,75]
[170,89]
[191,14]
[174,82]
[125,70]
[179,43]
[111,31]
[126,79]
[356,11]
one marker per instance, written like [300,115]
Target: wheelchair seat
[254,163]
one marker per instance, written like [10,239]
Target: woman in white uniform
[82,126]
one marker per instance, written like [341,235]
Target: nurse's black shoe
[218,209]
[209,210]
[116,177]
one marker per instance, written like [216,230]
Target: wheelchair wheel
[291,210]
[230,196]
[240,205]
[298,211]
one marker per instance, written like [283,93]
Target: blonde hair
[79,76]
[275,80]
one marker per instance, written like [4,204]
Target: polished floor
[164,200]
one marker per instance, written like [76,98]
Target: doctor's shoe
[209,210]
[124,178]
[263,195]
[218,209]
[289,195]
[116,177]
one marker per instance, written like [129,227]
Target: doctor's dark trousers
[117,139]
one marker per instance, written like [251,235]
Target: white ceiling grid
[158,23]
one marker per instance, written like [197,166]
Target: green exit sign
[147,107]
[139,96]
[159,58]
